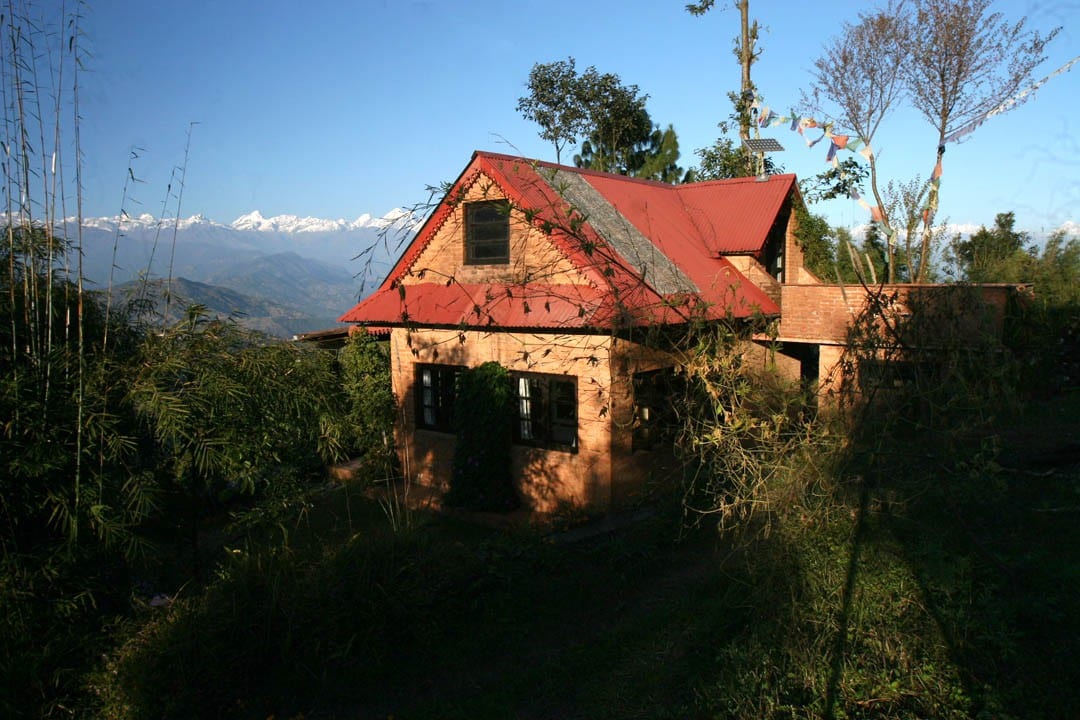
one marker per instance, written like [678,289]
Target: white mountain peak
[256,222]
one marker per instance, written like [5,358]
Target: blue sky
[334,109]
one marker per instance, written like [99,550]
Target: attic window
[487,233]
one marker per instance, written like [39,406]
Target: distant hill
[283,275]
[311,286]
[249,311]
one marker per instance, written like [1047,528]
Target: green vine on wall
[482,419]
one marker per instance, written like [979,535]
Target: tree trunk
[746,88]
[928,217]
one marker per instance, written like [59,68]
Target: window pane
[564,406]
[487,232]
[564,435]
[546,410]
[435,392]
[525,409]
[486,251]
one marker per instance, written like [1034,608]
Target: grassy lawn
[917,590]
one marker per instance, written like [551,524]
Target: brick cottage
[568,278]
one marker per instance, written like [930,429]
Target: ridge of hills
[252,312]
[281,275]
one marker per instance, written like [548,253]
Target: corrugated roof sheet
[565,307]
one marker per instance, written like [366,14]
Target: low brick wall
[822,314]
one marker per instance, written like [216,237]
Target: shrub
[482,419]
[365,366]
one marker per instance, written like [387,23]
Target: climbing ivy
[482,416]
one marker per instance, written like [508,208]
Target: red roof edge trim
[434,224]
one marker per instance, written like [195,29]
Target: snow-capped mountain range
[308,270]
[311,267]
[256,222]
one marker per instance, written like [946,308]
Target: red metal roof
[567,307]
[719,216]
[670,269]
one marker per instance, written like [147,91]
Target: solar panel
[762,145]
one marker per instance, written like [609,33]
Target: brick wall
[818,313]
[926,316]
[532,256]
[602,473]
[822,313]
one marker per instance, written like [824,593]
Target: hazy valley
[280,275]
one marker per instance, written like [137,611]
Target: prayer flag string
[800,124]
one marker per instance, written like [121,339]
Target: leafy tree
[846,254]
[1004,254]
[555,103]
[660,160]
[994,254]
[842,180]
[1057,272]
[366,379]
[724,159]
[818,243]
[619,124]
[620,136]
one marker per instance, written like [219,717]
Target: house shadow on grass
[961,592]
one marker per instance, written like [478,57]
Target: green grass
[944,588]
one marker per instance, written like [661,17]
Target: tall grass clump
[122,437]
[71,489]
[876,533]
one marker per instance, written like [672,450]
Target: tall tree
[1003,254]
[992,254]
[620,137]
[618,121]
[555,103]
[660,160]
[962,64]
[859,75]
[746,53]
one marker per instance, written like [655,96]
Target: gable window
[435,394]
[546,411]
[487,233]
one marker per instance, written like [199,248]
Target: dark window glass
[878,374]
[487,233]
[435,392]
[546,408]
[655,419]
